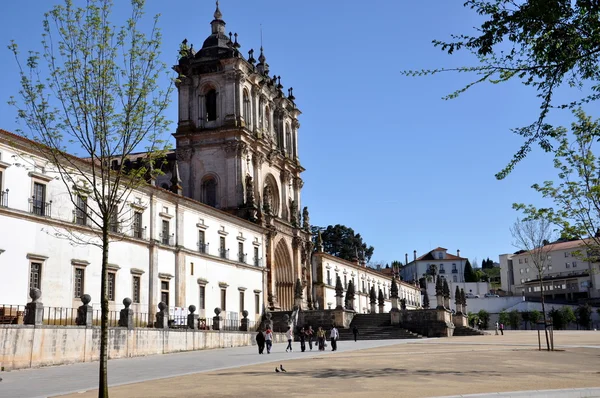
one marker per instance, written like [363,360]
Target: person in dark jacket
[260,341]
[302,340]
[355,332]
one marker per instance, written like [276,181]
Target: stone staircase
[468,331]
[376,327]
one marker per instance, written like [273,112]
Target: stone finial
[339,288]
[372,295]
[457,298]
[381,298]
[445,289]
[439,288]
[218,14]
[162,306]
[127,302]
[86,299]
[305,219]
[218,311]
[245,313]
[192,309]
[35,294]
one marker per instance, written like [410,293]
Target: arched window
[247,111]
[209,192]
[211,105]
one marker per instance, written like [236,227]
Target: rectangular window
[39,199]
[223,300]
[256,259]
[328,277]
[526,260]
[78,282]
[165,232]
[137,225]
[201,242]
[164,292]
[81,211]
[136,289]
[202,300]
[345,283]
[520,261]
[113,225]
[111,286]
[454,278]
[35,276]
[241,252]
[192,269]
[574,264]
[242,304]
[568,265]
[222,250]
[256,303]
[440,256]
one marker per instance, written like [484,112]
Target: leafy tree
[534,317]
[561,318]
[480,276]
[342,242]
[93,91]
[484,317]
[583,313]
[568,315]
[503,317]
[529,235]
[473,319]
[543,44]
[487,264]
[575,195]
[469,273]
[514,319]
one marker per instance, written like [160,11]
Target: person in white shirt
[290,336]
[334,336]
[269,339]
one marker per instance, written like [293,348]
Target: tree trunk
[544,312]
[103,377]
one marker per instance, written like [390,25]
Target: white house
[447,265]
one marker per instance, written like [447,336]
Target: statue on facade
[250,199]
[319,242]
[268,200]
[293,213]
[305,219]
[298,289]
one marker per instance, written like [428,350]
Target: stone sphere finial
[192,309]
[85,299]
[162,306]
[245,313]
[217,311]
[35,294]
[127,302]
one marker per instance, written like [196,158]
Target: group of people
[305,334]
[500,327]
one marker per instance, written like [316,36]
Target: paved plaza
[393,368]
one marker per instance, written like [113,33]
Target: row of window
[35,281]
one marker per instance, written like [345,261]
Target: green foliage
[484,317]
[487,264]
[514,319]
[561,318]
[503,317]
[534,317]
[542,44]
[473,319]
[469,273]
[342,242]
[583,313]
[576,194]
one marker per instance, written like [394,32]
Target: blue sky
[383,153]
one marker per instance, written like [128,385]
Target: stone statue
[268,199]
[250,199]
[305,219]
[293,213]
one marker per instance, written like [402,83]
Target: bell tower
[237,150]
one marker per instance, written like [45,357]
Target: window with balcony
[256,259]
[202,246]
[241,255]
[223,252]
[38,204]
[165,232]
[137,225]
[113,225]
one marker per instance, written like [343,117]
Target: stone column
[192,318]
[85,313]
[34,313]
[126,315]
[162,317]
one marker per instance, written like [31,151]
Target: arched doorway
[284,276]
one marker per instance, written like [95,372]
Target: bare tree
[532,235]
[93,92]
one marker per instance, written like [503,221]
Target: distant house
[444,264]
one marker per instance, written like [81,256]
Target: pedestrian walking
[290,337]
[321,338]
[334,336]
[502,329]
[497,326]
[260,342]
[309,336]
[302,339]
[269,339]
[355,332]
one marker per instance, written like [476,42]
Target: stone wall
[429,323]
[24,347]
